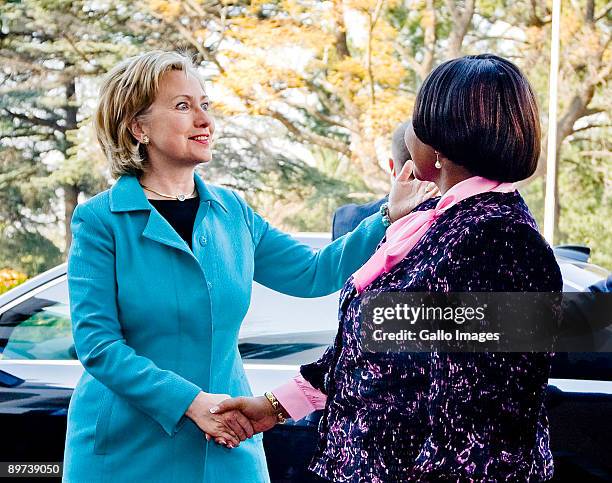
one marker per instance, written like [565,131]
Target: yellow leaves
[170,9]
[10,278]
[348,70]
[293,8]
[390,109]
[362,5]
[258,83]
[254,33]
[201,34]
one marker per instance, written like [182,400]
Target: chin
[201,159]
[419,176]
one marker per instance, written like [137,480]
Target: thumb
[406,171]
[227,405]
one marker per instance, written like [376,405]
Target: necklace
[179,197]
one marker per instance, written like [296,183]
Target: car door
[38,371]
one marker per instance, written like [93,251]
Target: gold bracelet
[276,406]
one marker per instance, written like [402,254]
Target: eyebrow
[205,97]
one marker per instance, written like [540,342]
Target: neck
[171,182]
[450,175]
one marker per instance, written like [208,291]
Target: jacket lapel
[158,229]
[127,195]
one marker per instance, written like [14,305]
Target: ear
[136,129]
[392,167]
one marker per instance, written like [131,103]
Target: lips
[203,139]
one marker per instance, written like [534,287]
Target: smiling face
[423,156]
[178,123]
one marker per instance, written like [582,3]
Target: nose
[203,118]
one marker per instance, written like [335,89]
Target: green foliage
[24,207]
[586,204]
[28,252]
[533,194]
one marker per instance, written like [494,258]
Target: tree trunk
[71,196]
[71,190]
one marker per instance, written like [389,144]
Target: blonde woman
[160,274]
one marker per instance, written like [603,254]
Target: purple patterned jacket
[394,417]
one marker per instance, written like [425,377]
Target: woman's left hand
[407,192]
[258,410]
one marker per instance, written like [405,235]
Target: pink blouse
[299,398]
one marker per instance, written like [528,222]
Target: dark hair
[480,112]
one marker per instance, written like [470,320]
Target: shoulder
[503,215]
[237,207]
[505,241]
[97,207]
[353,210]
[223,193]
[347,217]
[499,220]
[231,200]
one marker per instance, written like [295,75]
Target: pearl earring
[145,139]
[437,165]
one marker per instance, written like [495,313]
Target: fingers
[232,422]
[433,190]
[238,423]
[227,405]
[406,171]
[245,424]
[230,439]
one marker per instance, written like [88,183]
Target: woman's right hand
[258,410]
[212,425]
[408,192]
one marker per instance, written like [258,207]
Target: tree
[47,49]
[24,214]
[306,93]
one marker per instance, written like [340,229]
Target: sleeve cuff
[299,400]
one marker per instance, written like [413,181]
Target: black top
[180,214]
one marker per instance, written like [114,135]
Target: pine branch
[36,120]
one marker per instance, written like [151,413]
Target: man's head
[399,151]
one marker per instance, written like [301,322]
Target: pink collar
[404,234]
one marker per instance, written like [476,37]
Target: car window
[38,327]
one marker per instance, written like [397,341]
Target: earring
[145,139]
[437,165]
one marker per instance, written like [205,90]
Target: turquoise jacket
[155,322]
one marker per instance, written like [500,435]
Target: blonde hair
[127,91]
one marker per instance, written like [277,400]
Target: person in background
[347,217]
[160,274]
[406,416]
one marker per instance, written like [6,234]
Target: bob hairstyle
[480,112]
[127,91]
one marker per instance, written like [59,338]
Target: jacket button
[209,284]
[203,240]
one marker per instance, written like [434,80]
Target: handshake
[230,420]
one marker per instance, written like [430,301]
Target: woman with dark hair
[441,416]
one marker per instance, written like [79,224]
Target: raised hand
[258,410]
[407,192]
[214,425]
